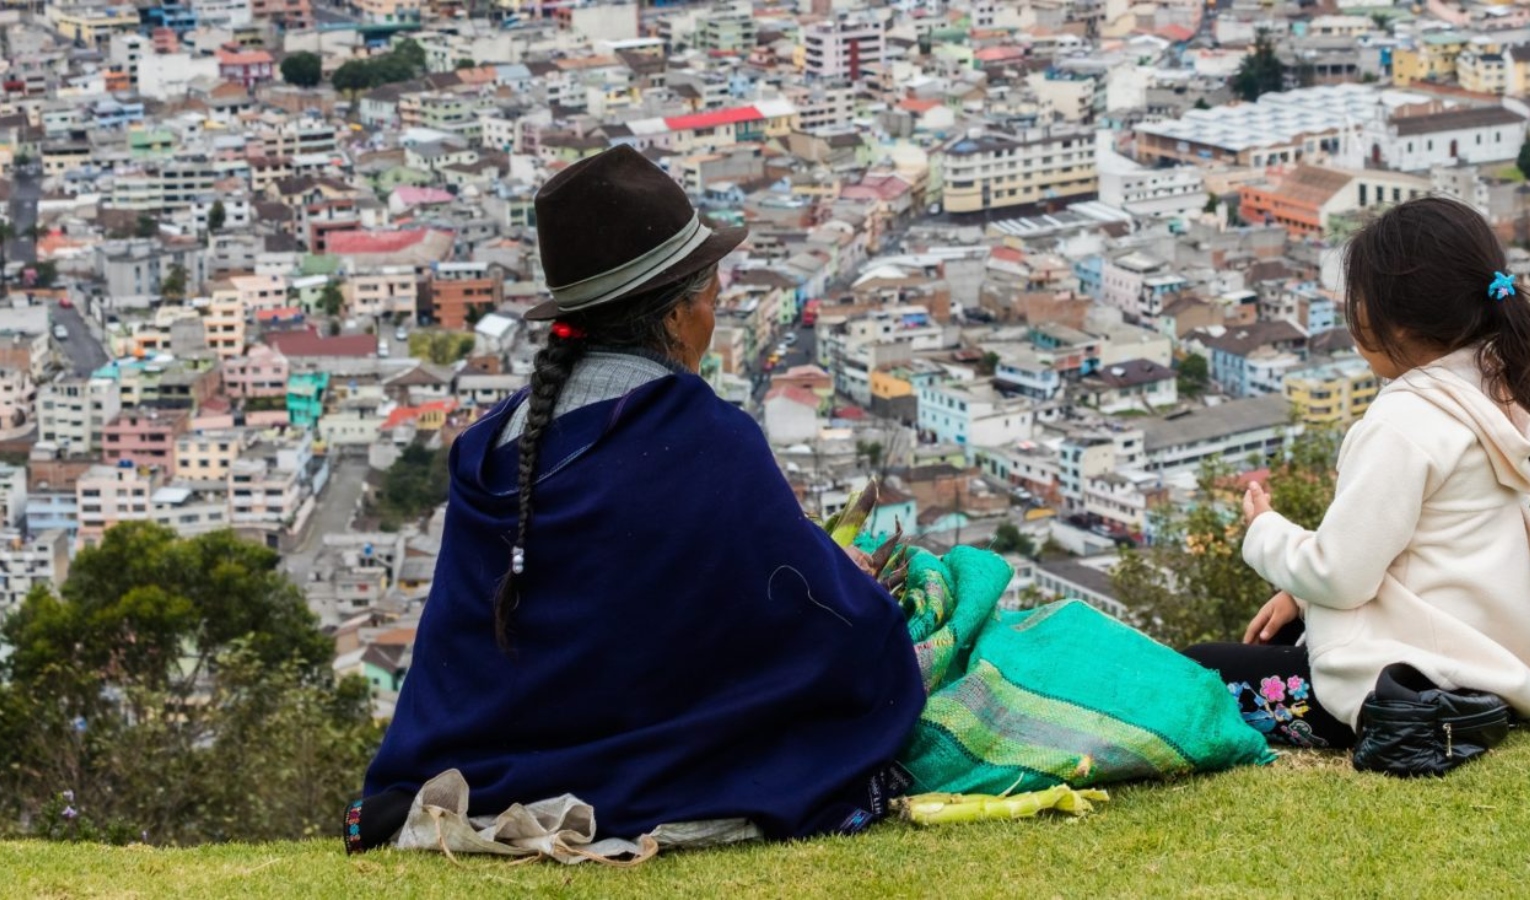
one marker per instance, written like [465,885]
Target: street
[333,515]
[84,353]
[799,354]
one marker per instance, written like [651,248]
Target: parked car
[60,333]
[66,303]
[790,339]
[382,349]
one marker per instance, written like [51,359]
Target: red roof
[285,312]
[410,413]
[342,242]
[1176,33]
[307,343]
[714,119]
[919,106]
[243,57]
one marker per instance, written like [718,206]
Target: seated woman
[629,604]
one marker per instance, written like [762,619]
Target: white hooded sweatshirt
[1424,556]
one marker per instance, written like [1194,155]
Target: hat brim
[720,244]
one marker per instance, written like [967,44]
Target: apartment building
[260,372]
[973,414]
[208,455]
[726,31]
[262,495]
[1139,284]
[29,561]
[991,170]
[843,47]
[72,413]
[298,137]
[224,320]
[382,291]
[145,437]
[108,494]
[1333,392]
[460,292]
[1237,431]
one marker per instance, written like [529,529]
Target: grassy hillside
[1309,825]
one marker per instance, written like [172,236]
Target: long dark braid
[635,323]
[551,370]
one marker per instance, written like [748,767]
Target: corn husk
[948,809]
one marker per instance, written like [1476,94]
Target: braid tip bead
[517,560]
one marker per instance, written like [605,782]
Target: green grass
[1307,826]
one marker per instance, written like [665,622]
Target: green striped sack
[1022,701]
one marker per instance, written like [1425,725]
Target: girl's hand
[1256,502]
[1277,613]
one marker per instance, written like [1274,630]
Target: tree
[1008,538]
[1200,103]
[352,77]
[146,227]
[1523,161]
[173,285]
[411,54]
[465,63]
[178,688]
[1194,375]
[303,69]
[413,486]
[988,364]
[869,452]
[1191,583]
[331,300]
[1261,71]
[1212,202]
[216,216]
[46,274]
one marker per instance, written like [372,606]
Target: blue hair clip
[1502,286]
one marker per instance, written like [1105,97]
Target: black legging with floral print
[1273,684]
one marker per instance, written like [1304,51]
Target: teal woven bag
[1022,701]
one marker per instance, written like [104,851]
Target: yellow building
[207,455]
[992,171]
[1335,393]
[1433,58]
[1485,73]
[224,320]
[93,27]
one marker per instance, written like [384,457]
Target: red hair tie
[567,332]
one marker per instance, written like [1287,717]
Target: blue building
[173,16]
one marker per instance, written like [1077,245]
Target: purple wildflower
[69,813]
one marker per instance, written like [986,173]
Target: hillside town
[1028,262]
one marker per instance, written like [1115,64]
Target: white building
[973,415]
[1147,192]
[843,47]
[27,562]
[1472,135]
[791,416]
[71,412]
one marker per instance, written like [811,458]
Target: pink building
[246,67]
[260,372]
[146,437]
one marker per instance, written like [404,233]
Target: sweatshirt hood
[1454,383]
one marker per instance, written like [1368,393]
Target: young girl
[1423,557]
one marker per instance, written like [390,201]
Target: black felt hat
[614,225]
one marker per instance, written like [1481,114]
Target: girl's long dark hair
[634,323]
[1421,271]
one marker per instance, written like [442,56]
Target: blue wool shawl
[688,644]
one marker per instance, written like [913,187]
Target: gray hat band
[617,281]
